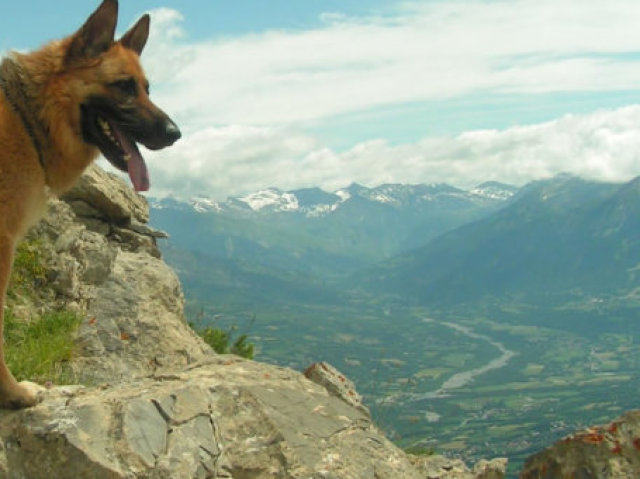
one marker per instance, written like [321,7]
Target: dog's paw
[21,395]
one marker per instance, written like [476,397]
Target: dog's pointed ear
[97,34]
[136,38]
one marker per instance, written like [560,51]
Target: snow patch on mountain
[315,203]
[344,195]
[204,205]
[271,198]
[382,198]
[319,210]
[493,190]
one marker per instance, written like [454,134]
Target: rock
[147,231]
[440,467]
[135,323]
[610,451]
[432,467]
[108,196]
[133,241]
[224,418]
[494,469]
[336,383]
[131,300]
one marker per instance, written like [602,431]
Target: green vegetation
[222,342]
[39,350]
[28,270]
[552,277]
[572,369]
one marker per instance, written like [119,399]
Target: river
[463,378]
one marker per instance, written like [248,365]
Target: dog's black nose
[172,131]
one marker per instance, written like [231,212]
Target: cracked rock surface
[224,418]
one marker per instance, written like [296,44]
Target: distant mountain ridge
[316,202]
[306,237]
[559,235]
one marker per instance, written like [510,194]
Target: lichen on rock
[609,451]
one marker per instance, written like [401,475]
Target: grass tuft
[40,350]
[28,271]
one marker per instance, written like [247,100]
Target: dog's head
[115,109]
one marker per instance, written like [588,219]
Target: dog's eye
[127,86]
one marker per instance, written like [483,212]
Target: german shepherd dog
[60,107]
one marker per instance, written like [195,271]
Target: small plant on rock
[225,342]
[222,342]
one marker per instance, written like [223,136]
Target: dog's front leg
[13,394]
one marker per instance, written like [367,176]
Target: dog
[60,107]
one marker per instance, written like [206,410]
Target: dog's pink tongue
[137,168]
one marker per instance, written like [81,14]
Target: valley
[479,323]
[429,386]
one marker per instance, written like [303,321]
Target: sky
[302,93]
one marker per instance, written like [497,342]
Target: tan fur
[54,89]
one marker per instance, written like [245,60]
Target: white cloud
[236,160]
[436,51]
[269,87]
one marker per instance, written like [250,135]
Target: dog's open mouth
[124,153]
[116,143]
[116,129]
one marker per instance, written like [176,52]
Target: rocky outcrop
[104,263]
[226,418]
[158,402]
[336,384]
[611,451]
[436,467]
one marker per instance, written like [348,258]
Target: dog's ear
[97,34]
[136,38]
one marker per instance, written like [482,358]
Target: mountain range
[559,236]
[426,243]
[276,242]
[533,292]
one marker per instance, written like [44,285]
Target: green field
[558,381]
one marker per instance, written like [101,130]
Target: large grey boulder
[225,418]
[105,196]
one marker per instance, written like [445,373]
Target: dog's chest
[35,208]
[22,204]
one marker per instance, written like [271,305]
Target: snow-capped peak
[203,204]
[273,199]
[315,202]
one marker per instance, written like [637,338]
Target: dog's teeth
[106,129]
[127,157]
